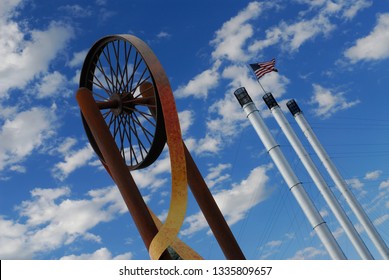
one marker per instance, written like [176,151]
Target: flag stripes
[262,68]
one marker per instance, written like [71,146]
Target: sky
[332,56]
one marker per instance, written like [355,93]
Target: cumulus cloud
[327,102]
[76,11]
[236,201]
[232,36]
[373,175]
[216,176]
[78,58]
[36,125]
[201,84]
[374,46]
[384,185]
[186,120]
[100,254]
[346,9]
[309,253]
[356,185]
[163,34]
[226,117]
[155,176]
[52,85]
[292,36]
[22,59]
[72,160]
[47,224]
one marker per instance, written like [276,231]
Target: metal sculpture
[129,114]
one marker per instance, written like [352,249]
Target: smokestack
[289,176]
[317,178]
[338,180]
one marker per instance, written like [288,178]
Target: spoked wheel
[124,77]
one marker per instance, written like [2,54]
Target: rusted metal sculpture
[129,114]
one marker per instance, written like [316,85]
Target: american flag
[262,68]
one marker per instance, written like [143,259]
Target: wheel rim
[124,88]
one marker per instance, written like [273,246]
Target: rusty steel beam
[211,211]
[118,168]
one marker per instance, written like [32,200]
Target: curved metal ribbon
[180,247]
[168,232]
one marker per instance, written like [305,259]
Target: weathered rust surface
[159,96]
[117,168]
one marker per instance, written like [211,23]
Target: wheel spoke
[140,143]
[147,116]
[127,56]
[107,56]
[109,83]
[145,131]
[134,70]
[121,135]
[99,84]
[140,81]
[129,138]
[124,89]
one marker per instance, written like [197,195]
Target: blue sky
[57,202]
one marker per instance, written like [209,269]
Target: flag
[262,68]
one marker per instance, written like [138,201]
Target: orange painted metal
[117,168]
[157,238]
[211,211]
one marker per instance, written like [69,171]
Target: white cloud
[8,7]
[163,34]
[274,243]
[154,176]
[72,161]
[186,120]
[232,36]
[215,176]
[236,201]
[354,7]
[78,58]
[308,253]
[209,144]
[52,85]
[23,60]
[384,185]
[374,46]
[18,168]
[36,125]
[291,36]
[347,9]
[48,224]
[100,254]
[76,10]
[380,220]
[355,183]
[328,102]
[373,175]
[66,145]
[227,118]
[201,84]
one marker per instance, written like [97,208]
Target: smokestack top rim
[242,96]
[270,101]
[293,107]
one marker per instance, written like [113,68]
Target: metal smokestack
[289,176]
[338,180]
[317,178]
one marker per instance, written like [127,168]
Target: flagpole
[261,86]
[251,70]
